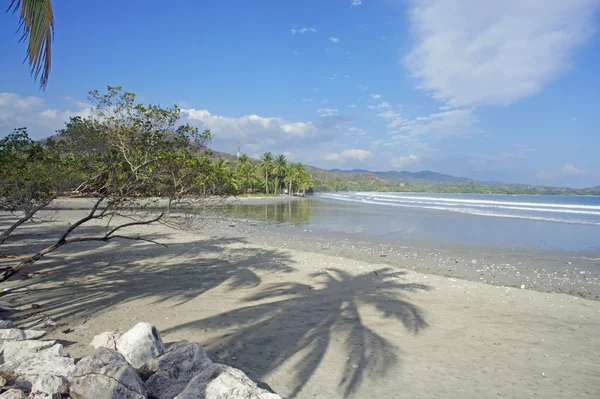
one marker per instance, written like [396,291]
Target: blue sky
[495,90]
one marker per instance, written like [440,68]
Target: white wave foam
[472,201]
[471,207]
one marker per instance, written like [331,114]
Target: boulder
[15,350]
[44,363]
[106,339]
[5,324]
[15,334]
[172,371]
[106,375]
[140,344]
[13,394]
[49,387]
[219,381]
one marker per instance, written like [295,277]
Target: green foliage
[29,172]
[37,25]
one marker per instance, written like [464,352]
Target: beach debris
[140,344]
[221,381]
[35,306]
[106,375]
[15,334]
[107,339]
[172,371]
[14,394]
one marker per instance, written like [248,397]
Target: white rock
[41,364]
[4,324]
[15,334]
[106,339]
[106,375]
[15,350]
[173,370]
[13,394]
[219,381]
[49,387]
[141,344]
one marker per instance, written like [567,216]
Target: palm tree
[293,171]
[246,172]
[37,23]
[266,164]
[305,180]
[279,169]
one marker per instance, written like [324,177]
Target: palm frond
[37,26]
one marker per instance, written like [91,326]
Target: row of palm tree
[272,173]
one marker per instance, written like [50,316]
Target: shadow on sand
[301,320]
[282,322]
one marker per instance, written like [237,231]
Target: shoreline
[542,270]
[82,203]
[312,324]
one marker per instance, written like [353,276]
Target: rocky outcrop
[106,339]
[106,375]
[13,394]
[140,369]
[171,372]
[16,334]
[140,344]
[219,381]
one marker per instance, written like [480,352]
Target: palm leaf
[37,25]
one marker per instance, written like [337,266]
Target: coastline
[82,203]
[312,324]
[541,270]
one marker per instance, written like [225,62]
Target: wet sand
[313,324]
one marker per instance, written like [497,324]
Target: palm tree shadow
[294,320]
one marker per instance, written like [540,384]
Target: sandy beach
[310,324]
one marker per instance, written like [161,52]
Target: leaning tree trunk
[28,215]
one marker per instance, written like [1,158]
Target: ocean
[566,223]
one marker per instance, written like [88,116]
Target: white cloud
[18,111]
[382,105]
[250,126]
[375,96]
[348,155]
[520,151]
[256,134]
[357,130]
[355,3]
[474,52]
[571,170]
[302,30]
[352,105]
[334,40]
[327,111]
[16,101]
[457,122]
[404,161]
[394,119]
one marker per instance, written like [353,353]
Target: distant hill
[424,181]
[404,176]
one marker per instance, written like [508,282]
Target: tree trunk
[28,215]
[266,183]
[11,271]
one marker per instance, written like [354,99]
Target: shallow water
[567,223]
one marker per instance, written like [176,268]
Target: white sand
[320,326]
